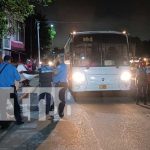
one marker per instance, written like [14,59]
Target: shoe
[49,117]
[61,115]
[19,123]
[56,118]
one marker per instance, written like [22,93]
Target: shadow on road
[99,98]
[38,138]
[145,106]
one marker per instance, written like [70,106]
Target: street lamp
[39,54]
[74,32]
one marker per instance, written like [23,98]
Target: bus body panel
[101,79]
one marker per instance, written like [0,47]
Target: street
[91,123]
[74,75]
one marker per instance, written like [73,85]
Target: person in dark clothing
[45,80]
[148,79]
[8,76]
[141,83]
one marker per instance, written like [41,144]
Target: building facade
[13,43]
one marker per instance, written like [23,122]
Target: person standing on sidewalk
[22,69]
[60,80]
[141,83]
[8,76]
[148,78]
[45,80]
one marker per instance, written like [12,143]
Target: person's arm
[58,69]
[17,78]
[16,74]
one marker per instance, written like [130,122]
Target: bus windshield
[94,50]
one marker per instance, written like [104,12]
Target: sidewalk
[31,112]
[34,83]
[70,133]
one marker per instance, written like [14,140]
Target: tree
[52,32]
[13,10]
[41,2]
[142,47]
[146,48]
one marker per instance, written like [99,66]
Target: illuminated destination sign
[87,39]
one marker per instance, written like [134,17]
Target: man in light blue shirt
[8,76]
[60,75]
[9,73]
[60,80]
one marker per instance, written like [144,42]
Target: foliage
[41,2]
[52,32]
[3,22]
[142,47]
[13,10]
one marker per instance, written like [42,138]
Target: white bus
[98,61]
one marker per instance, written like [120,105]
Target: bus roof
[93,32]
[98,32]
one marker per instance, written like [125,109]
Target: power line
[66,22]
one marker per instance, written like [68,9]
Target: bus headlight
[125,76]
[50,63]
[78,77]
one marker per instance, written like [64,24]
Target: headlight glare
[125,76]
[50,63]
[78,77]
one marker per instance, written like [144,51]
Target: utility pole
[127,38]
[31,50]
[39,54]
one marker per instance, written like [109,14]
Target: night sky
[81,15]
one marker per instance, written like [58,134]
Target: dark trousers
[62,92]
[48,98]
[62,101]
[142,91]
[17,109]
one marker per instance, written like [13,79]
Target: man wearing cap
[8,76]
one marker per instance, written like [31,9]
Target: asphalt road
[91,123]
[118,125]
